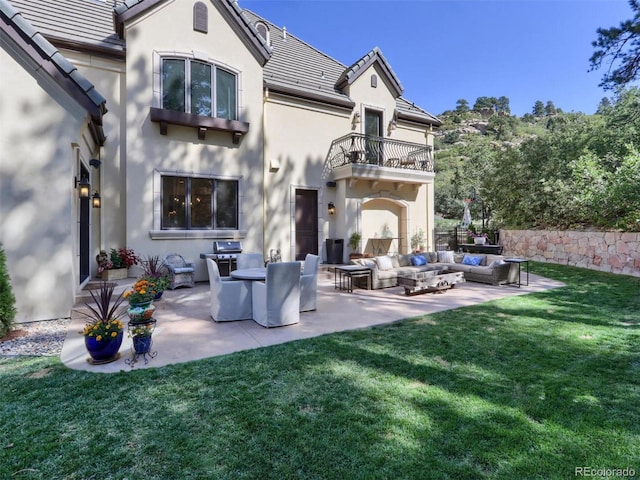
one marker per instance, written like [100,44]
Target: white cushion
[445,256]
[384,262]
[369,262]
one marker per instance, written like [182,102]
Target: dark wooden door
[306,223]
[84,236]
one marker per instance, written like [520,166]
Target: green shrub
[7,300]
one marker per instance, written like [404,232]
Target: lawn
[528,387]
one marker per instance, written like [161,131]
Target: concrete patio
[185,331]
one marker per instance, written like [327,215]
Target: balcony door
[373,128]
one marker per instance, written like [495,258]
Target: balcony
[365,157]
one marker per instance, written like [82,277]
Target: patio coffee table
[434,281]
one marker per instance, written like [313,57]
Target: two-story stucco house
[189,122]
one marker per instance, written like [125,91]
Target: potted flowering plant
[156,270]
[115,264]
[140,333]
[103,331]
[140,298]
[478,238]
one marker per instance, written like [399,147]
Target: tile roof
[292,66]
[88,22]
[27,41]
[296,67]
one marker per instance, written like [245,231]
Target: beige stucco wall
[148,153]
[42,138]
[108,77]
[298,138]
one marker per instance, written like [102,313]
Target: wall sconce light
[331,208]
[96,201]
[83,186]
[356,119]
[95,163]
[392,126]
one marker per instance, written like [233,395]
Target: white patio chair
[249,260]
[276,302]
[309,283]
[230,299]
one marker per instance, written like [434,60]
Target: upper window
[197,203]
[200,88]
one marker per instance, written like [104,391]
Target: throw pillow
[384,262]
[471,260]
[418,260]
[405,260]
[445,256]
[369,262]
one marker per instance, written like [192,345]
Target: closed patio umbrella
[466,216]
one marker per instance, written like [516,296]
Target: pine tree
[7,300]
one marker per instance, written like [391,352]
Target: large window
[199,88]
[192,203]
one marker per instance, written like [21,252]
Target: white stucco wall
[180,151]
[38,201]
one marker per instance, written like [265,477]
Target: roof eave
[318,97]
[421,119]
[31,43]
[354,72]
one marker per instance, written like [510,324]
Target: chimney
[284,33]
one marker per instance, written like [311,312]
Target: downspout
[264,172]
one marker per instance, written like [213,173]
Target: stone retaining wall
[617,252]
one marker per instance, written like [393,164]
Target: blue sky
[445,50]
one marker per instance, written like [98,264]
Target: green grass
[528,387]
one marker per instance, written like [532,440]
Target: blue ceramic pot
[142,344]
[104,350]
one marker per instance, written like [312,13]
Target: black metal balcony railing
[380,151]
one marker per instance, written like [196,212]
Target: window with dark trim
[199,88]
[195,203]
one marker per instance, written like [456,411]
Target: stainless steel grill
[225,254]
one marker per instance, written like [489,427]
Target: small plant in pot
[417,241]
[354,245]
[103,330]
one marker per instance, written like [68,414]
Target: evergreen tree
[621,46]
[462,106]
[502,105]
[604,106]
[550,108]
[7,300]
[538,109]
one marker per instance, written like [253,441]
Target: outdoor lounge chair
[309,283]
[230,299]
[276,302]
[249,260]
[181,273]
